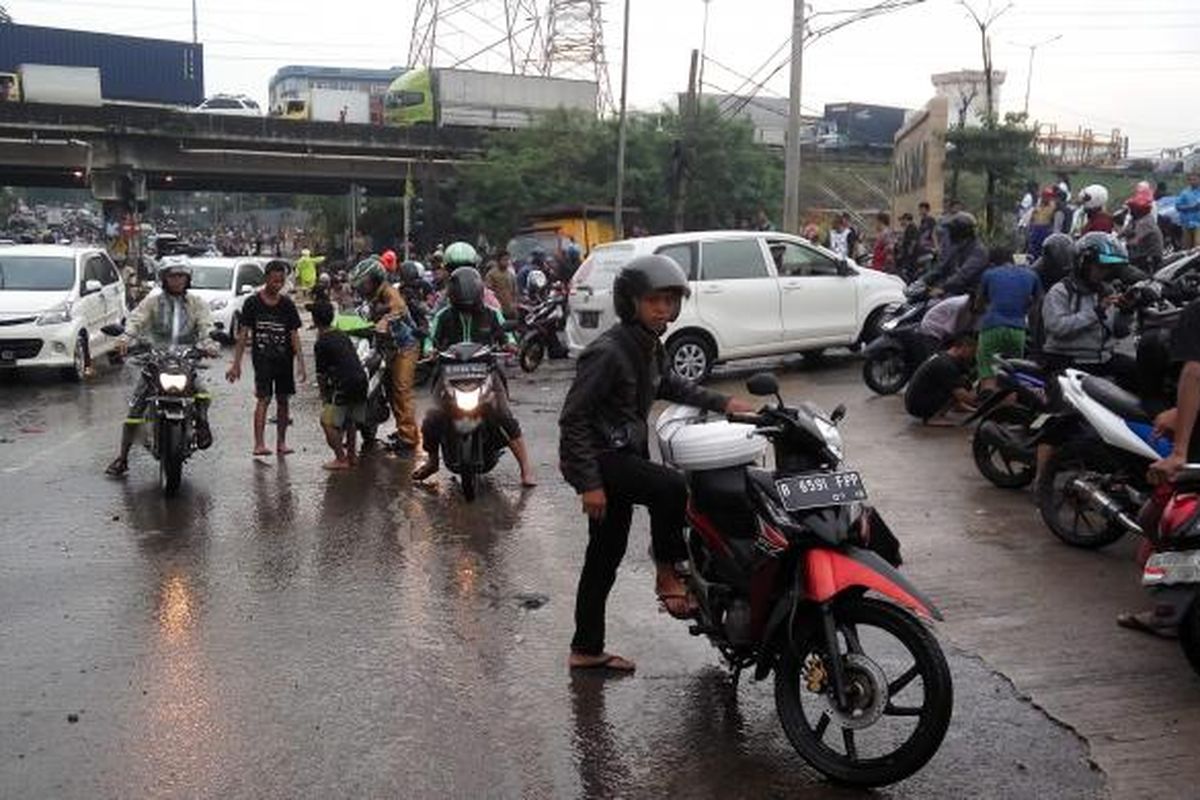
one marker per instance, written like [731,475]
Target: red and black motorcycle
[794,574]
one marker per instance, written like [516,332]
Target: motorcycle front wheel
[171,450]
[532,353]
[1001,468]
[899,692]
[886,373]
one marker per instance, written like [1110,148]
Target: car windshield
[212,277]
[36,273]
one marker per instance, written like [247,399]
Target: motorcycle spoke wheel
[899,694]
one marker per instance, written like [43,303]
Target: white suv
[225,283]
[753,294]
[53,302]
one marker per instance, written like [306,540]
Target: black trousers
[629,480]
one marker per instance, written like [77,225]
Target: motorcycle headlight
[467,399]
[218,304]
[55,316]
[172,382]
[890,325]
[833,437]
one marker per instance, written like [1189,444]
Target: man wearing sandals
[605,455]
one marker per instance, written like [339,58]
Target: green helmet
[461,254]
[367,268]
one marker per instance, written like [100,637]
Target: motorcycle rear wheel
[843,764]
[1085,528]
[1189,635]
[887,373]
[991,461]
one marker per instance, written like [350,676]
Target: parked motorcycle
[1172,573]
[893,356]
[170,417]
[781,562]
[1093,485]
[542,324]
[1013,421]
[470,380]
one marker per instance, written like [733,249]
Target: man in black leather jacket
[604,451]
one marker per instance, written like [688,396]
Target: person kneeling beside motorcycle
[466,319]
[170,318]
[605,456]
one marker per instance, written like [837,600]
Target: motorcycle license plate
[813,491]
[466,370]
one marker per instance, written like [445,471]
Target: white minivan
[225,283]
[54,300]
[754,293]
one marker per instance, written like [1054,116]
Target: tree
[570,159]
[4,15]
[1002,153]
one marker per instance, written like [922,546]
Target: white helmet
[1093,197]
[537,280]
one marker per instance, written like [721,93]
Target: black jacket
[617,379]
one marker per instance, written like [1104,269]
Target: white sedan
[237,105]
[225,283]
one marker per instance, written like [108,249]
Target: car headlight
[467,399]
[55,316]
[832,436]
[172,382]
[218,304]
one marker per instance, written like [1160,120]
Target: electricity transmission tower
[556,38]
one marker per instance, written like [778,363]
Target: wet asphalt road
[277,631]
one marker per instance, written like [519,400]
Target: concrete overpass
[164,149]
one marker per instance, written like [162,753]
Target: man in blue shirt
[1188,206]
[1007,292]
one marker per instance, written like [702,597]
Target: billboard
[919,159]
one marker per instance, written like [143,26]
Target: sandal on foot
[117,468]
[1138,622]
[606,661]
[664,604]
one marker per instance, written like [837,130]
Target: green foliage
[327,217]
[570,159]
[1003,153]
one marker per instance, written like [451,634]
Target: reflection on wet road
[278,631]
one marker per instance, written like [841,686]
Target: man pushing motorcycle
[168,318]
[605,456]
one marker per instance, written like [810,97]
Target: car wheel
[79,359]
[691,357]
[235,322]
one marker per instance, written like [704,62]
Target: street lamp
[1029,76]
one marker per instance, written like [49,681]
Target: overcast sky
[1119,64]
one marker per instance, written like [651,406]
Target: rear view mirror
[838,414]
[92,286]
[112,330]
[763,384]
[245,288]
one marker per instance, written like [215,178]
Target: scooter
[1091,488]
[470,379]
[1172,573]
[893,356]
[780,562]
[1016,418]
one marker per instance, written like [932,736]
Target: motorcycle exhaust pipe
[1095,497]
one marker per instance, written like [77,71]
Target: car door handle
[712,290]
[793,287]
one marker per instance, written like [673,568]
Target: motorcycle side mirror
[112,330]
[838,414]
[763,384]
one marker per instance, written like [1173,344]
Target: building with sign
[919,159]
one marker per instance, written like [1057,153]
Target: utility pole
[703,47]
[791,171]
[1029,75]
[679,162]
[408,195]
[622,128]
[195,37]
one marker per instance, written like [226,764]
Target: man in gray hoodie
[1083,319]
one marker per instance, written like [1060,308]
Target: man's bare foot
[283,450]
[352,459]
[337,464]
[673,593]
[940,422]
[262,450]
[604,661]
[528,479]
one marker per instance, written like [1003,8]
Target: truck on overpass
[470,99]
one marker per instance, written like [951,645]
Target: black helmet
[1100,248]
[960,226]
[1058,251]
[411,273]
[465,289]
[643,275]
